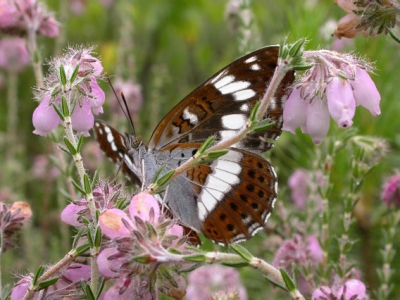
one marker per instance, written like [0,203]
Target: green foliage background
[178,44]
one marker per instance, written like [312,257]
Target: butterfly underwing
[231,198]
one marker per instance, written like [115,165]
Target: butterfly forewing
[222,104]
[113,144]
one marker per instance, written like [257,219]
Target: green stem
[35,57]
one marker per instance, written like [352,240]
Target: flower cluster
[303,252]
[139,247]
[391,191]
[21,16]
[13,54]
[68,284]
[303,188]
[352,289]
[366,17]
[334,86]
[11,220]
[72,77]
[105,197]
[210,281]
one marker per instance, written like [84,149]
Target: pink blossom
[341,102]
[71,214]
[22,16]
[81,91]
[45,118]
[295,112]
[13,54]
[205,281]
[298,187]
[318,121]
[326,91]
[82,118]
[391,191]
[366,93]
[19,290]
[108,267]
[353,289]
[141,204]
[322,293]
[113,223]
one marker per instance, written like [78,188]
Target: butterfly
[229,199]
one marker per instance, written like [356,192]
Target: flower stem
[35,57]
[89,197]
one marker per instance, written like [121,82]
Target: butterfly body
[230,198]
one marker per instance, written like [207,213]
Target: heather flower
[83,95]
[367,17]
[391,191]
[207,281]
[303,252]
[13,54]
[303,187]
[105,197]
[68,284]
[12,217]
[139,245]
[21,16]
[334,86]
[133,95]
[352,289]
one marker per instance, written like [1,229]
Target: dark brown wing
[113,145]
[222,104]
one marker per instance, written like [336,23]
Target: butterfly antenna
[124,107]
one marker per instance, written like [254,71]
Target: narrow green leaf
[78,187]
[64,107]
[69,145]
[216,154]
[87,185]
[39,272]
[296,48]
[73,76]
[47,283]
[237,264]
[95,178]
[263,125]
[195,258]
[276,284]
[143,259]
[82,249]
[301,67]
[101,287]
[242,251]
[80,143]
[55,91]
[282,46]
[90,238]
[254,112]
[77,237]
[98,237]
[59,113]
[207,144]
[158,174]
[64,149]
[164,179]
[63,76]
[288,281]
[89,293]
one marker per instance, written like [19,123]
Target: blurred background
[163,50]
